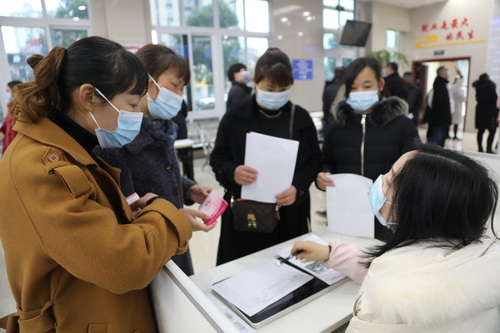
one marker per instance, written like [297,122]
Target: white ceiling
[407,3]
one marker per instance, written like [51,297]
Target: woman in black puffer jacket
[369,133]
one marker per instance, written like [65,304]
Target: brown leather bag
[253,216]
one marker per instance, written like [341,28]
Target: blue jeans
[438,135]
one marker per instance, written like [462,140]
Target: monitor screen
[355,33]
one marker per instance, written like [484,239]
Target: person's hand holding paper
[323,180]
[273,159]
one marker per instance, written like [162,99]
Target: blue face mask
[8,95]
[362,100]
[129,125]
[377,200]
[272,100]
[166,105]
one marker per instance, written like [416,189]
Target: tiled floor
[204,245]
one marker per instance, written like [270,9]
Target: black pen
[296,253]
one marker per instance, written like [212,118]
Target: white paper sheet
[274,158]
[258,287]
[316,268]
[348,205]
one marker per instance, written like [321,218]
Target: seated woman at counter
[438,271]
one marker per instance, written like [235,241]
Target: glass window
[346,62]
[231,14]
[21,43]
[257,15]
[329,41]
[344,16]
[347,4]
[75,9]
[392,39]
[199,13]
[233,49]
[329,64]
[65,37]
[330,19]
[203,74]
[330,3]
[165,13]
[25,8]
[256,48]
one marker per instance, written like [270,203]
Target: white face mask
[272,100]
[129,125]
[166,105]
[362,100]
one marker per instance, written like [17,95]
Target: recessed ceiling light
[284,19]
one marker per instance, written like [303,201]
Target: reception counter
[182,303]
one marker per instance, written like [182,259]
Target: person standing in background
[7,133]
[414,98]
[486,111]
[440,111]
[268,112]
[457,95]
[394,84]
[369,133]
[240,78]
[185,154]
[329,94]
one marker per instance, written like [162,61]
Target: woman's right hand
[193,216]
[311,250]
[245,175]
[141,202]
[323,180]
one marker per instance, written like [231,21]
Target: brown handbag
[253,216]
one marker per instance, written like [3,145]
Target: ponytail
[36,99]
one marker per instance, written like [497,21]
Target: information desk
[323,314]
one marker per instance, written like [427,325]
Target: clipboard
[292,301]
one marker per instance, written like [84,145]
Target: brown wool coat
[70,250]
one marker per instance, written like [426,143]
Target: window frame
[47,24]
[216,36]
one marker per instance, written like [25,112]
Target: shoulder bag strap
[292,118]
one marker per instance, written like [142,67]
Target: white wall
[306,93]
[479,15]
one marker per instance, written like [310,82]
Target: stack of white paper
[258,287]
[274,158]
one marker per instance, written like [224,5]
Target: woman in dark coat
[268,112]
[368,134]
[486,111]
[149,163]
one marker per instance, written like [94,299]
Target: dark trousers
[489,142]
[438,135]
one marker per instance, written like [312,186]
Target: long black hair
[443,195]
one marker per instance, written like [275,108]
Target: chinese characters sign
[448,32]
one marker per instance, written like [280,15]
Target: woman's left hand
[198,193]
[287,197]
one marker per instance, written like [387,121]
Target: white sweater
[423,288]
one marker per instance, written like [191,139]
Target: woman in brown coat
[78,259]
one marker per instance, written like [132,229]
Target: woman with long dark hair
[438,270]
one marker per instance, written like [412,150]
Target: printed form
[258,287]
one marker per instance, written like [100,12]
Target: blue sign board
[302,69]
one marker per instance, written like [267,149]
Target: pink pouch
[214,205]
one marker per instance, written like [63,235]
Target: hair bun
[34,60]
